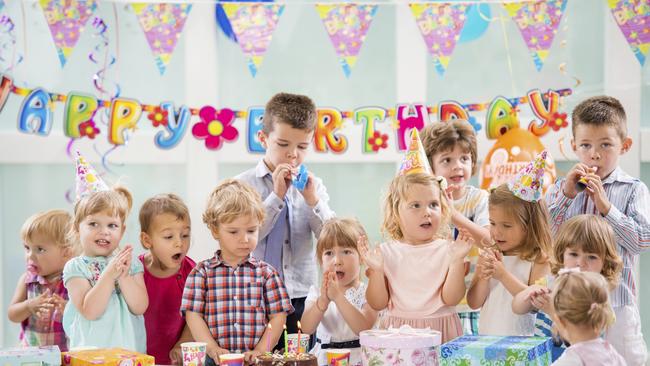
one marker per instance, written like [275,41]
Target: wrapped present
[30,356]
[399,347]
[106,356]
[494,350]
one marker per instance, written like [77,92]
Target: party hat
[415,160]
[528,182]
[88,181]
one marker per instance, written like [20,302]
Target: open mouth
[340,275]
[32,268]
[426,225]
[102,243]
[177,257]
[457,178]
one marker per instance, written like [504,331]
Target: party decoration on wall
[253,24]
[440,25]
[87,179]
[36,113]
[125,114]
[537,21]
[546,107]
[162,25]
[415,160]
[633,18]
[175,124]
[66,20]
[215,126]
[409,117]
[500,118]
[450,110]
[347,25]
[328,121]
[528,182]
[369,117]
[478,20]
[255,124]
[9,55]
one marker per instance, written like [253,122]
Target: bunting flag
[440,25]
[347,25]
[538,22]
[633,18]
[66,20]
[253,25]
[162,25]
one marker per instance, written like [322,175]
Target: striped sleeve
[194,292]
[632,228]
[275,293]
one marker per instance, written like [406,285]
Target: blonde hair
[590,234]
[232,199]
[444,136]
[533,218]
[398,191]
[582,298]
[54,225]
[339,232]
[165,203]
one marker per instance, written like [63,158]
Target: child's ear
[215,233]
[573,144]
[145,240]
[627,145]
[262,137]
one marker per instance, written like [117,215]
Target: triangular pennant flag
[440,25]
[347,25]
[253,25]
[538,22]
[162,25]
[633,18]
[66,20]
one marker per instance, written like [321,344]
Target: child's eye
[302,147]
[606,145]
[168,237]
[445,161]
[252,231]
[465,158]
[92,223]
[572,254]
[40,250]
[434,205]
[185,236]
[593,257]
[585,146]
[415,205]
[327,253]
[113,226]
[283,145]
[347,252]
[492,223]
[232,232]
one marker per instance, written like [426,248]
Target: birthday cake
[290,359]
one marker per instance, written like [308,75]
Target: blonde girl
[418,274]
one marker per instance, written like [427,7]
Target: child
[599,130]
[291,215]
[339,307]
[416,218]
[582,313]
[40,296]
[230,298]
[451,151]
[165,232]
[519,228]
[106,288]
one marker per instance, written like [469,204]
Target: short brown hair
[533,218]
[166,203]
[601,110]
[397,192]
[444,136]
[54,225]
[339,232]
[591,234]
[232,199]
[582,298]
[298,111]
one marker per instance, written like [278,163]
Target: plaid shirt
[235,302]
[47,331]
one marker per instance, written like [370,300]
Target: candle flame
[269,326]
[284,326]
[299,327]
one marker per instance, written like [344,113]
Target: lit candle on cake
[268,338]
[286,342]
[299,331]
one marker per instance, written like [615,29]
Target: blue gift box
[30,356]
[494,350]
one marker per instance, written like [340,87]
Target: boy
[599,130]
[165,233]
[451,151]
[293,217]
[230,298]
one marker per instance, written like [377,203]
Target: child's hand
[282,179]
[128,257]
[573,176]
[485,265]
[116,267]
[499,268]
[596,192]
[214,351]
[176,355]
[461,246]
[323,289]
[334,288]
[371,258]
[250,356]
[541,299]
[41,306]
[58,303]
[309,193]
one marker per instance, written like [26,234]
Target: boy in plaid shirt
[230,298]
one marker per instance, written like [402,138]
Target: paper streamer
[347,25]
[440,25]
[538,22]
[8,44]
[162,25]
[66,20]
[253,24]
[633,18]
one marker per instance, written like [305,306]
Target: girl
[40,295]
[416,218]
[582,312]
[338,310]
[106,288]
[520,231]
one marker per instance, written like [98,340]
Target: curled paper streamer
[8,44]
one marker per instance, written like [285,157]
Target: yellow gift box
[106,356]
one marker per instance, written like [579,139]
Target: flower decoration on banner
[538,22]
[378,141]
[253,25]
[158,116]
[162,25]
[440,25]
[215,126]
[633,18]
[66,20]
[347,25]
[559,121]
[88,129]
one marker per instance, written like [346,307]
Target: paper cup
[231,359]
[338,357]
[292,343]
[193,353]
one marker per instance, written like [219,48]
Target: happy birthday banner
[216,126]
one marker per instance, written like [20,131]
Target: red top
[163,318]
